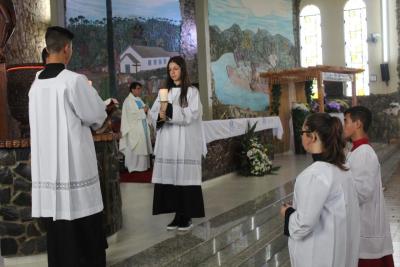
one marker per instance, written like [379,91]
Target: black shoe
[185,225]
[174,224]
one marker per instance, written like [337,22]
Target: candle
[163,95]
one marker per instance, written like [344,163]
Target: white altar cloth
[222,129]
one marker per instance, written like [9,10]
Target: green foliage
[276,99]
[299,115]
[308,86]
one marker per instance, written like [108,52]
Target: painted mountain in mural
[261,47]
[238,56]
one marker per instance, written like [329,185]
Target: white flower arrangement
[300,106]
[254,155]
[258,159]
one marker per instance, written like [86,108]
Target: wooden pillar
[3,103]
[321,92]
[292,93]
[353,92]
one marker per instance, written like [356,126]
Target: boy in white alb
[66,195]
[376,247]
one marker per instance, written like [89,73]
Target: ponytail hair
[330,132]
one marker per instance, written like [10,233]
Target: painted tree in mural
[159,32]
[90,37]
[90,50]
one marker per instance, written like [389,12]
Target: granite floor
[392,197]
[142,230]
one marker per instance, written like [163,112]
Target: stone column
[7,24]
[189,37]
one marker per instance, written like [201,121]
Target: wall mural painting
[146,34]
[248,37]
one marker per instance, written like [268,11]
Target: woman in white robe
[178,149]
[135,142]
[323,224]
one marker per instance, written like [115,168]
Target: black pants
[185,200]
[77,243]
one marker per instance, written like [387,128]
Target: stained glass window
[356,46]
[310,39]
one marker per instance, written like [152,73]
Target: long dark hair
[330,132]
[185,81]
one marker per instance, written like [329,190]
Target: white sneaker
[185,226]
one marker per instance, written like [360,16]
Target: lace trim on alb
[66,186]
[178,161]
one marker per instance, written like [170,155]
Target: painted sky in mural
[274,15]
[146,35]
[95,9]
[248,37]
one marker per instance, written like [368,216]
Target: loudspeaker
[385,72]
[333,89]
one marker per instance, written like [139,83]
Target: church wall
[385,125]
[27,41]
[333,39]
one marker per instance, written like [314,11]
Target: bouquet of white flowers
[254,156]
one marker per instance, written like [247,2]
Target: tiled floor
[392,197]
[142,230]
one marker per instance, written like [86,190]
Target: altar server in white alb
[63,108]
[376,247]
[323,224]
[178,149]
[135,142]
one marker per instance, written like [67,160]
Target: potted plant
[299,113]
[254,155]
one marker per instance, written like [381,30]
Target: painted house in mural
[138,58]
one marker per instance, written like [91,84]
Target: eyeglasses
[304,131]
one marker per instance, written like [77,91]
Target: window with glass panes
[310,39]
[356,46]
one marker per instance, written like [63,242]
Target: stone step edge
[190,250]
[252,250]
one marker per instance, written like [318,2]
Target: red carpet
[135,177]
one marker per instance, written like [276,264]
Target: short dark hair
[133,85]
[56,38]
[45,55]
[360,113]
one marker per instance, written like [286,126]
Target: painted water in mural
[146,35]
[248,37]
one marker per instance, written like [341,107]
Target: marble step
[266,231]
[264,224]
[275,253]
[248,235]
[225,235]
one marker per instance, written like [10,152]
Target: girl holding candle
[177,114]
